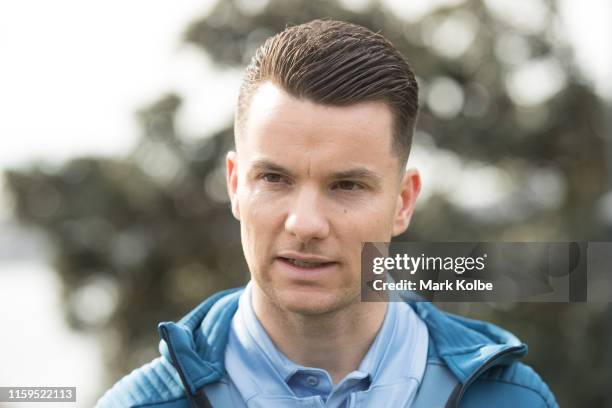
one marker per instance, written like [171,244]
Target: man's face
[309,183]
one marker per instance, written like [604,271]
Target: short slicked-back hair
[336,63]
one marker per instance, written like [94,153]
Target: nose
[306,219]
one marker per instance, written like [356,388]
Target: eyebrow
[264,164]
[357,173]
[361,173]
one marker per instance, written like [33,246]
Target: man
[323,129]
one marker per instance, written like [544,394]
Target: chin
[312,303]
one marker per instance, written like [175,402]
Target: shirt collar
[286,368]
[405,336]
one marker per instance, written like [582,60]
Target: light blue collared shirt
[390,372]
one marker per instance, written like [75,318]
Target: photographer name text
[429,284]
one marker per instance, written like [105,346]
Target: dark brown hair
[336,63]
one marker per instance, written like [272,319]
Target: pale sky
[589,25]
[73,72]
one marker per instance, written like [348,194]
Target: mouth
[304,264]
[306,270]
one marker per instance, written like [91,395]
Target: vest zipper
[199,400]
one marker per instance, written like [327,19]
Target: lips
[306,269]
[304,263]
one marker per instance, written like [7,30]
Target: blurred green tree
[153,234]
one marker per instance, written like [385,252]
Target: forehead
[280,127]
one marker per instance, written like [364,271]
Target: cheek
[260,218]
[369,222]
[259,207]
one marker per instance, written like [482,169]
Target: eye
[347,185]
[272,177]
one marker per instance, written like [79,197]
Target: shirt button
[312,381]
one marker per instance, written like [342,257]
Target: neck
[336,341]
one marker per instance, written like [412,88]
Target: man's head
[323,129]
[337,64]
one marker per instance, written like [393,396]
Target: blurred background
[115,117]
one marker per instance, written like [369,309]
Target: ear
[231,178]
[410,186]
